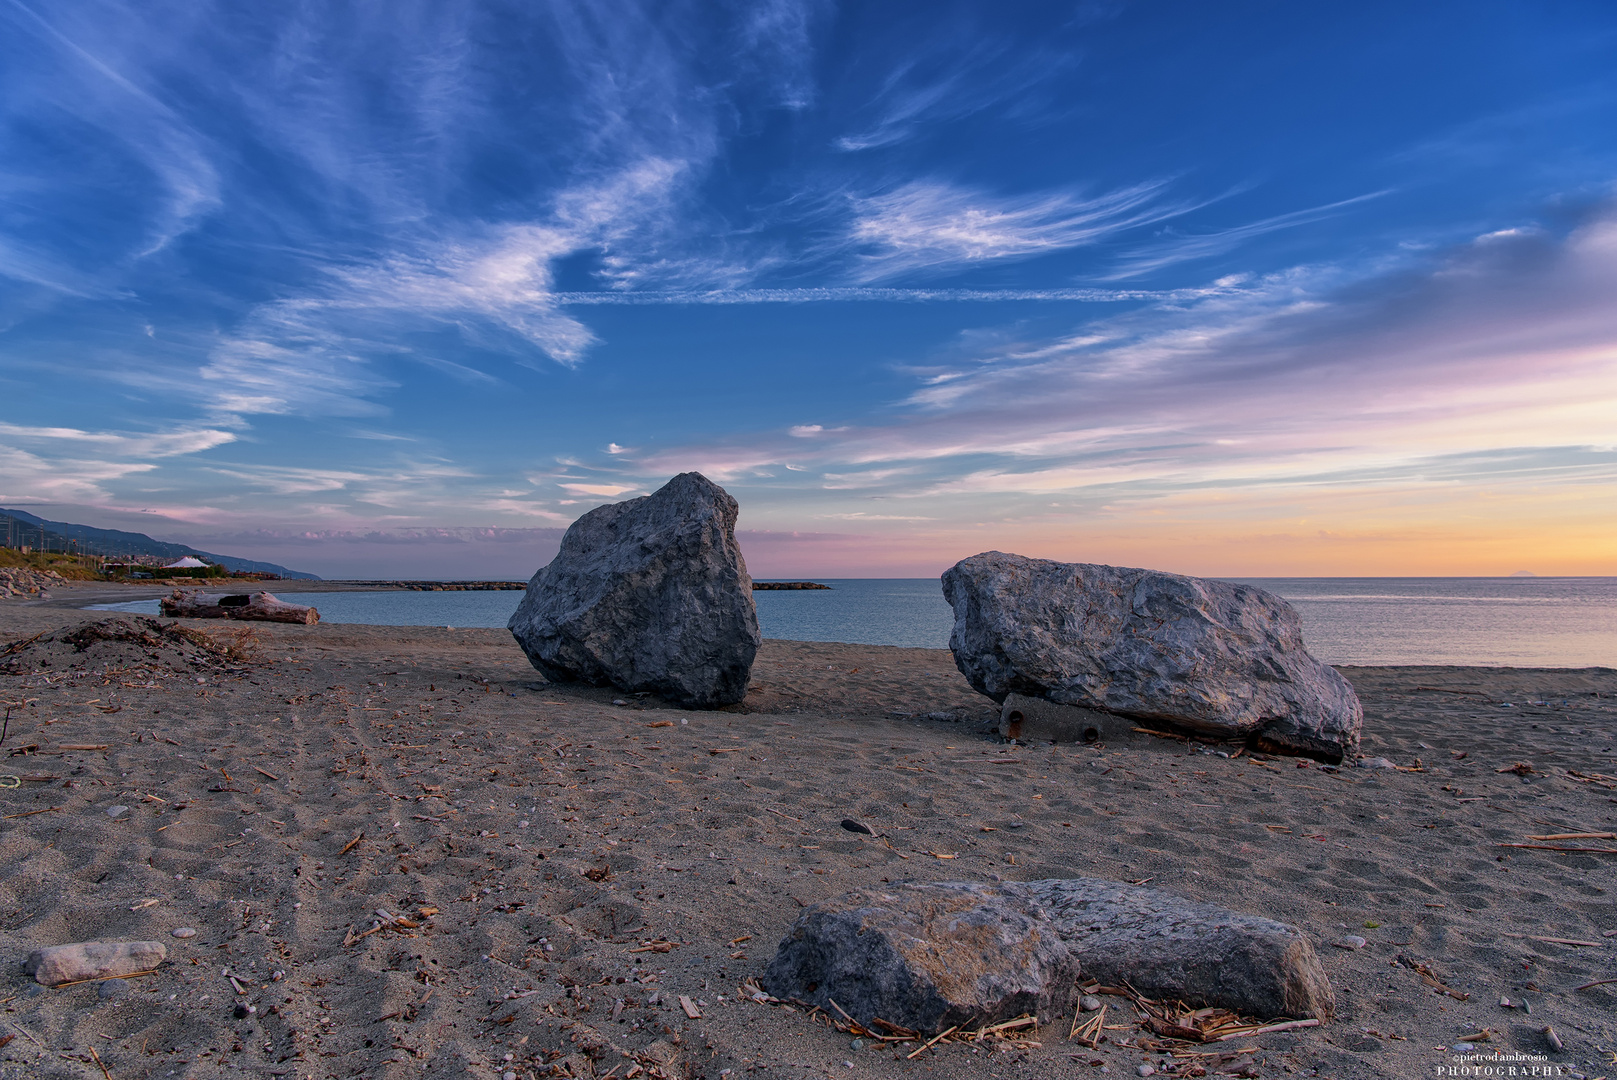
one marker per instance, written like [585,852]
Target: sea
[1510,622]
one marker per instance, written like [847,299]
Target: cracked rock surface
[1203,656]
[927,956]
[649,595]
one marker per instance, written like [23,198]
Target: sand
[584,864]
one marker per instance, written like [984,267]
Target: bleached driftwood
[259,607]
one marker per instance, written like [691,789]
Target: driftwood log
[259,607]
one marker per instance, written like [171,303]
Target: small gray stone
[110,989]
[1205,656]
[1145,1070]
[648,595]
[183,932]
[1350,941]
[116,812]
[1376,763]
[1089,1003]
[93,960]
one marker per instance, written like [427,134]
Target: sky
[402,289]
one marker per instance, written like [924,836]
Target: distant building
[188,563]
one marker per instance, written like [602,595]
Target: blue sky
[1240,288]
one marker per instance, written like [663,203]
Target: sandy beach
[568,868]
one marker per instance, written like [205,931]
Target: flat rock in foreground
[648,595]
[1206,656]
[83,960]
[1168,947]
[929,956]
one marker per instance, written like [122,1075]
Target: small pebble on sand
[116,812]
[183,932]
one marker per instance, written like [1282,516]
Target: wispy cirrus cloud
[954,72]
[123,443]
[27,478]
[1491,361]
[1174,247]
[318,353]
[88,70]
[845,294]
[775,40]
[931,226]
[637,124]
[40,464]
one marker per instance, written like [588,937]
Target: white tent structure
[187,563]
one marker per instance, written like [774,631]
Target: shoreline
[75,596]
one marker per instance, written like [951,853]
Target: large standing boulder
[930,955]
[927,957]
[648,595]
[1204,656]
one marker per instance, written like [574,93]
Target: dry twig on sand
[1088,1034]
[1178,1022]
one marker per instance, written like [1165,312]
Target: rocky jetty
[1194,655]
[652,595]
[20,581]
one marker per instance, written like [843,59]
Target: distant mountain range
[18,527]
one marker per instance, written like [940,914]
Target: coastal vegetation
[72,567]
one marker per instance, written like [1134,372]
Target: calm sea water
[1526,622]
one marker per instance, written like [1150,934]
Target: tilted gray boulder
[1205,656]
[927,956]
[648,595]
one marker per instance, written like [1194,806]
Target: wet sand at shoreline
[589,863]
